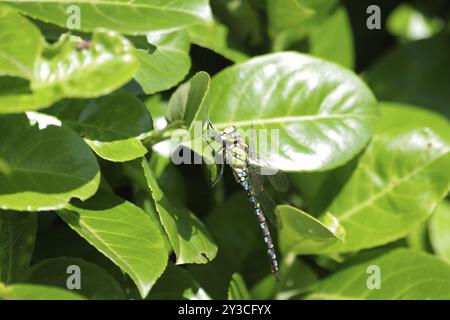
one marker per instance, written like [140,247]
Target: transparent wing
[265,200]
[263,167]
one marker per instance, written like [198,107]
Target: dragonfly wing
[276,177]
[265,200]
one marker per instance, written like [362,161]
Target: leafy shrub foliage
[88,117]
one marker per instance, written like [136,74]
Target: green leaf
[405,274]
[302,233]
[112,126]
[21,44]
[238,289]
[189,238]
[439,228]
[106,64]
[214,36]
[175,284]
[17,237]
[333,39]
[323,114]
[416,73]
[290,20]
[190,101]
[397,181]
[235,230]
[48,166]
[167,65]
[408,23]
[136,17]
[124,233]
[95,282]
[66,71]
[36,292]
[295,277]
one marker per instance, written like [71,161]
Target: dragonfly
[246,168]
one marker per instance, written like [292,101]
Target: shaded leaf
[238,289]
[124,233]
[190,240]
[95,282]
[302,233]
[17,237]
[177,283]
[414,74]
[112,126]
[48,166]
[332,39]
[213,36]
[290,20]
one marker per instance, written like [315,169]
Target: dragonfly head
[230,134]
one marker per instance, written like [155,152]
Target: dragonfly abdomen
[242,178]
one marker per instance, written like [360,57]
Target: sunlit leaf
[317,114]
[124,233]
[36,292]
[166,65]
[135,17]
[402,274]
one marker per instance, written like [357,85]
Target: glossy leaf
[112,126]
[18,59]
[48,166]
[397,181]
[95,283]
[167,65]
[122,232]
[408,74]
[332,39]
[176,283]
[323,114]
[238,290]
[405,275]
[107,63]
[65,70]
[302,233]
[136,17]
[213,36]
[17,237]
[190,240]
[440,230]
[36,292]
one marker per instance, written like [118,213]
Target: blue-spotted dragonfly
[246,166]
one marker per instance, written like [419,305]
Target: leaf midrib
[109,3]
[390,187]
[278,120]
